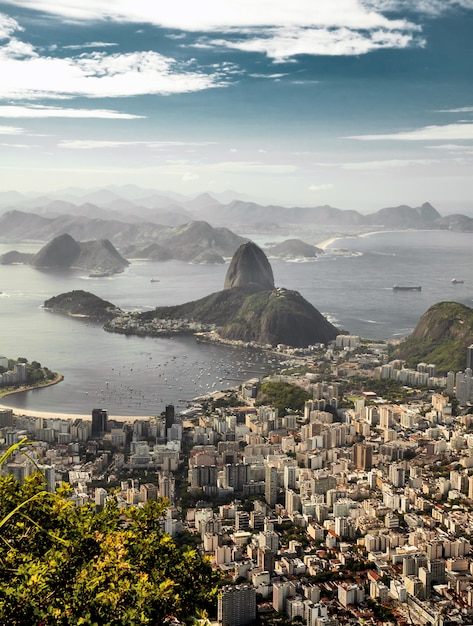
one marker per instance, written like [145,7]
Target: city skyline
[356,104]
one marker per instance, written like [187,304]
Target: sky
[359,104]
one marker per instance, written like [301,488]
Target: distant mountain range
[145,224]
[131,204]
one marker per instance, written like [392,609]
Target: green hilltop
[441,336]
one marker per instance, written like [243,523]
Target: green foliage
[67,565]
[82,303]
[283,396]
[441,336]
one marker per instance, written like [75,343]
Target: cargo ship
[407,288]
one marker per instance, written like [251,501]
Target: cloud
[11,130]
[428,7]
[90,44]
[274,27]
[217,15]
[448,132]
[452,147]
[387,164]
[188,176]
[270,76]
[98,75]
[94,144]
[253,167]
[38,111]
[8,26]
[283,43]
[323,187]
[459,110]
[22,146]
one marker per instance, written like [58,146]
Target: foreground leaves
[67,565]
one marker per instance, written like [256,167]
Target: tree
[67,565]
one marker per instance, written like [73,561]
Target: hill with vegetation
[81,303]
[284,396]
[251,309]
[441,336]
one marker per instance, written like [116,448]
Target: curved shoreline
[57,380]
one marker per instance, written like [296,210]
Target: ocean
[351,284]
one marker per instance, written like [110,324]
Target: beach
[67,416]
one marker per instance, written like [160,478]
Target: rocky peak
[249,266]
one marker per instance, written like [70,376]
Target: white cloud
[90,44]
[459,110]
[94,144]
[387,164]
[181,167]
[282,43]
[270,76]
[188,176]
[452,147]
[8,26]
[428,7]
[253,167]
[448,132]
[323,187]
[22,146]
[11,130]
[99,75]
[276,28]
[216,15]
[38,111]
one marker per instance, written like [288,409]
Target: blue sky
[359,104]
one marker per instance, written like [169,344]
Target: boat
[457,281]
[407,288]
[154,280]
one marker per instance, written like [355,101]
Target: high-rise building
[236,605]
[236,475]
[362,456]
[99,422]
[6,418]
[271,485]
[169,414]
[469,357]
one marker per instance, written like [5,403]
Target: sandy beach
[69,416]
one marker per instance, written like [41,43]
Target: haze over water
[351,284]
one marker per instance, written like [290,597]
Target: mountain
[250,308]
[195,242]
[249,266]
[64,252]
[80,303]
[393,217]
[441,336]
[294,249]
[14,257]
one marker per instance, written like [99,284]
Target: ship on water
[407,288]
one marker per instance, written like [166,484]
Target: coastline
[327,242]
[68,416]
[52,414]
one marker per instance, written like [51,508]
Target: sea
[351,283]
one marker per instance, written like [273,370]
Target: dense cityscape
[335,490]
